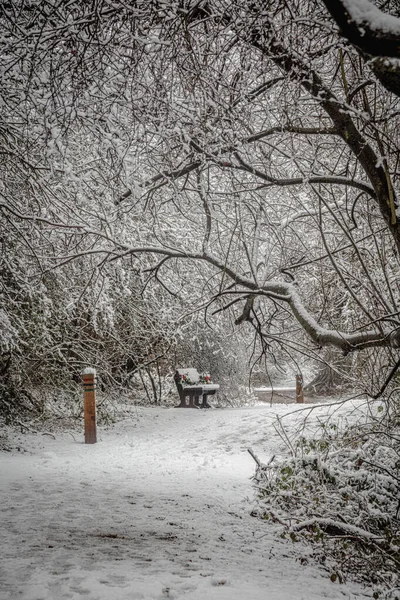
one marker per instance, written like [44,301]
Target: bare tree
[218,139]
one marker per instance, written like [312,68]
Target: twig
[26,427]
[278,519]
[255,458]
[388,380]
[283,435]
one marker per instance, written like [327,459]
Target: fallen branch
[336,528]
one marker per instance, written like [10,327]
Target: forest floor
[159,508]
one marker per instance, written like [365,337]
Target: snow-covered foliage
[212,183]
[340,491]
[228,158]
[8,334]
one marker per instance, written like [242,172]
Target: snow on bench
[193,385]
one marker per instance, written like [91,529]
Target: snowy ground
[159,508]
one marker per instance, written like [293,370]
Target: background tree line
[164,158]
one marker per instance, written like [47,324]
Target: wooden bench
[192,385]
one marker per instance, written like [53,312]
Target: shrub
[340,492]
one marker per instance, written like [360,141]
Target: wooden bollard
[89,405]
[299,389]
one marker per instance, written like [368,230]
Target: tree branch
[361,23]
[334,180]
[267,42]
[374,33]
[287,292]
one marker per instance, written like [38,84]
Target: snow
[275,389]
[158,508]
[205,386]
[89,371]
[364,12]
[191,373]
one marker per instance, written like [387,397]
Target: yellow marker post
[89,404]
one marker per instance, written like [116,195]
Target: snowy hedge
[340,492]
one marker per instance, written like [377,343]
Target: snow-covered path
[159,508]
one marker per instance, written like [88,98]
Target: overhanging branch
[374,33]
[287,293]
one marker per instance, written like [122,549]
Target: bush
[340,492]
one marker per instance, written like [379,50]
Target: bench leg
[204,403]
[193,400]
[183,400]
[182,404]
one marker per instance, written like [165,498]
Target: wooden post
[89,401]
[299,389]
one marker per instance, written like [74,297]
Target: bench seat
[205,386]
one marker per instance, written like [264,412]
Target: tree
[229,139]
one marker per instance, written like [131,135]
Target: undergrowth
[339,491]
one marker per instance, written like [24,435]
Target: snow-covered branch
[375,33]
[294,181]
[270,44]
[287,293]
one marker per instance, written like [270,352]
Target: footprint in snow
[46,456]
[218,581]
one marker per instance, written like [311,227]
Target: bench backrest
[192,374]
